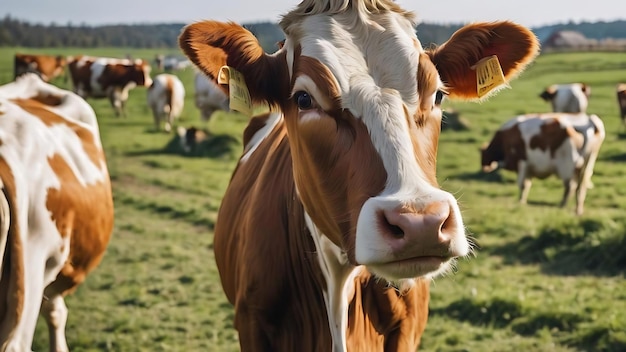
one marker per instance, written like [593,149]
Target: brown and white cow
[333,222]
[46,66]
[540,145]
[100,77]
[621,101]
[166,99]
[56,207]
[209,97]
[572,97]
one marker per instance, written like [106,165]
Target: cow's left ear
[211,45]
[514,45]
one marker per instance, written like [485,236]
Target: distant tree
[14,32]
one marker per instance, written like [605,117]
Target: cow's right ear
[211,45]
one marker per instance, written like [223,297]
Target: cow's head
[492,154]
[140,73]
[361,102]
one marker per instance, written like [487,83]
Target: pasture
[541,279]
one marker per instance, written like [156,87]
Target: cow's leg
[169,121]
[54,311]
[524,182]
[17,335]
[568,185]
[584,182]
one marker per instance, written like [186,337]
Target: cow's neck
[339,275]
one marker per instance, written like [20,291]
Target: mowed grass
[542,279]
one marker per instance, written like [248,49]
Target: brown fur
[514,45]
[89,223]
[506,146]
[390,321]
[12,283]
[47,66]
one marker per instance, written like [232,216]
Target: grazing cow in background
[621,100]
[99,77]
[573,97]
[166,99]
[56,207]
[46,66]
[190,138]
[333,222]
[209,97]
[540,145]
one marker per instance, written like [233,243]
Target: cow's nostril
[394,230]
[449,223]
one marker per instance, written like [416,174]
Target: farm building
[568,40]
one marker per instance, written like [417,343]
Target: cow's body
[208,97]
[166,99]
[99,77]
[56,207]
[333,223]
[571,98]
[621,101]
[46,66]
[540,145]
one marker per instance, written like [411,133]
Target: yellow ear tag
[488,75]
[237,88]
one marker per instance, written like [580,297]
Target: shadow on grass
[572,247]
[510,313]
[492,177]
[495,312]
[214,147]
[615,157]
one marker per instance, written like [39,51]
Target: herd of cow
[333,223]
[112,78]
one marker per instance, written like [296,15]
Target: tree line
[15,32]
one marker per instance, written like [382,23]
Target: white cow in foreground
[56,207]
[166,99]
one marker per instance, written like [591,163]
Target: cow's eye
[439,97]
[304,100]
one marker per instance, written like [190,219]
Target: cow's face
[489,158]
[141,74]
[361,104]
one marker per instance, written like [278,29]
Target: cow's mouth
[412,267]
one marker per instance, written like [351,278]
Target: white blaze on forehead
[376,70]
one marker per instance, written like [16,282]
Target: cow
[191,138]
[166,99]
[333,224]
[100,77]
[621,101]
[209,97]
[541,145]
[47,67]
[56,207]
[572,97]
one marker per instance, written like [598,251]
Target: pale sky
[532,13]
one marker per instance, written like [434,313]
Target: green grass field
[542,278]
